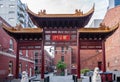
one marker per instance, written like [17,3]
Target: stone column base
[41,80]
[79,80]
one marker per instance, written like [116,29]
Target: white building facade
[14,12]
[96,23]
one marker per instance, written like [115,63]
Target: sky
[68,6]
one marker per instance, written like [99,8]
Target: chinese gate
[60,30]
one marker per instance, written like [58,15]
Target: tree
[61,66]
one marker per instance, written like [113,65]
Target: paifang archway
[60,30]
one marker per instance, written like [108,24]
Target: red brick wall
[113,42]
[90,59]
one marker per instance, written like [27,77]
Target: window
[11,6]
[36,69]
[20,52]
[10,67]
[11,44]
[62,48]
[11,12]
[26,53]
[1,5]
[11,19]
[40,60]
[36,54]
[62,58]
[26,67]
[108,64]
[12,0]
[20,68]
[36,61]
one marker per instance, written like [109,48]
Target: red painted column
[78,60]
[104,57]
[17,62]
[42,59]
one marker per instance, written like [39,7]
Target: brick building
[8,55]
[48,62]
[64,54]
[30,60]
[113,42]
[112,45]
[69,56]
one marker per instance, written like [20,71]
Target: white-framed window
[20,67]
[11,12]
[11,67]
[11,19]
[11,6]
[11,44]
[20,52]
[1,5]
[26,67]
[12,0]
[26,53]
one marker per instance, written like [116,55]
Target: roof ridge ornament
[42,12]
[104,27]
[17,27]
[78,12]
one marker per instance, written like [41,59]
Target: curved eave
[98,30]
[59,15]
[103,32]
[24,32]
[59,20]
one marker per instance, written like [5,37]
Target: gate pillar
[42,64]
[78,60]
[104,57]
[17,62]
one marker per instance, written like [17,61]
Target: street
[54,78]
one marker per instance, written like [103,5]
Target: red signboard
[60,37]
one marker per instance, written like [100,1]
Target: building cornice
[14,56]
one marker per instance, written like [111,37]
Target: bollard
[73,77]
[29,80]
[118,79]
[114,77]
[90,79]
[47,79]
